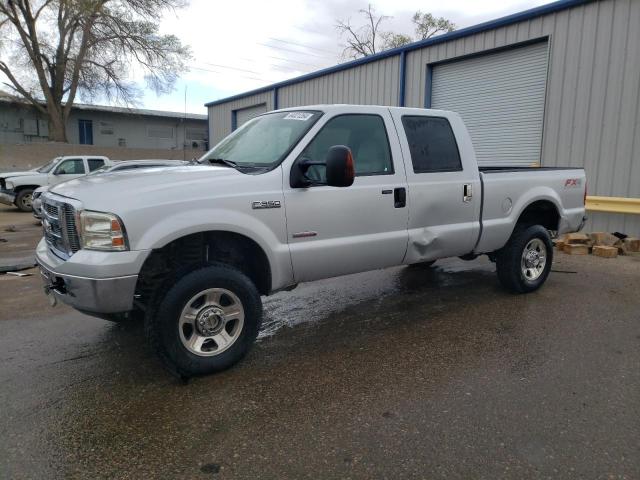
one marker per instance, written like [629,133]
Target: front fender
[180,224]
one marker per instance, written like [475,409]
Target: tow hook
[56,285]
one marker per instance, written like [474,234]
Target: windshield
[265,140]
[48,166]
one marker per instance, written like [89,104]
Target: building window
[85,128]
[106,128]
[197,134]
[160,132]
[432,144]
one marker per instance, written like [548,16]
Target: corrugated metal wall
[592,108]
[592,111]
[220,115]
[374,83]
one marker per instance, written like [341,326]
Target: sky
[240,45]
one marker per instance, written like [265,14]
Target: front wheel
[206,322]
[23,199]
[524,263]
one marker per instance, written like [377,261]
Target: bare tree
[369,38]
[52,51]
[427,25]
[364,40]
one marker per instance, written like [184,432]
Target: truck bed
[507,190]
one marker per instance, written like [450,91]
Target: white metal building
[557,85]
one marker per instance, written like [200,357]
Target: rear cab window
[95,163]
[432,144]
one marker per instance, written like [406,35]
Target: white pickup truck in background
[16,188]
[292,196]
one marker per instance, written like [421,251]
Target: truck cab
[16,188]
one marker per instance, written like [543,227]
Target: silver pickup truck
[293,196]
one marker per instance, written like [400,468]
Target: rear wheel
[206,322]
[524,263]
[23,199]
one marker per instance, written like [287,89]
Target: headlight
[102,231]
[35,195]
[9,185]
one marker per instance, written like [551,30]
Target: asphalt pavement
[398,373]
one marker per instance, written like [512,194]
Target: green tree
[54,51]
[427,25]
[369,38]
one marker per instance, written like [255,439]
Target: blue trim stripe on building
[402,80]
[428,84]
[464,32]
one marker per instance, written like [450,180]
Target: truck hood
[117,191]
[28,173]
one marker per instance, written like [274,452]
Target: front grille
[51,210]
[60,230]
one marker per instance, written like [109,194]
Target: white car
[16,188]
[36,201]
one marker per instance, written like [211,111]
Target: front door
[334,231]
[67,170]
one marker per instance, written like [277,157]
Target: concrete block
[603,238]
[631,244]
[605,251]
[578,238]
[576,249]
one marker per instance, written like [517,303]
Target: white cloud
[240,45]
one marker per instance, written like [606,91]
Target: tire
[23,200]
[206,322]
[517,273]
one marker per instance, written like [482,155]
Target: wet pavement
[398,373]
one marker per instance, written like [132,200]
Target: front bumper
[36,206]
[87,294]
[7,197]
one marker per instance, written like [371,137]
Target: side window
[73,166]
[365,135]
[95,163]
[432,144]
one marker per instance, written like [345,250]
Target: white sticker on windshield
[304,116]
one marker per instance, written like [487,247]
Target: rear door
[444,185]
[334,231]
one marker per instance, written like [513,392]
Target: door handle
[399,197]
[467,192]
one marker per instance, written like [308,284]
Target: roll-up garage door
[243,115]
[500,96]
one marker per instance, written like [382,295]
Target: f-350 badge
[265,204]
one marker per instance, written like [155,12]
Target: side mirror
[340,169]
